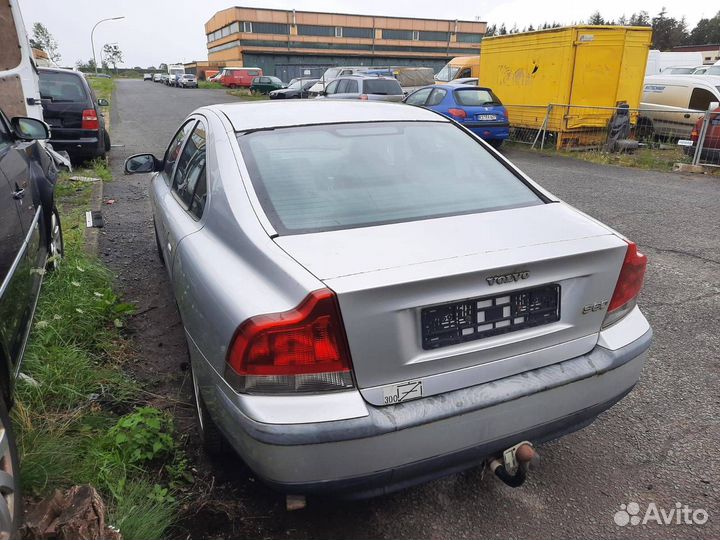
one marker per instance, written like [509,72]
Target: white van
[671,104]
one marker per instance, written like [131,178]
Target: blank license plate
[476,318]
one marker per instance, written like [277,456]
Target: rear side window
[701,99]
[436,97]
[476,97]
[190,172]
[329,177]
[384,87]
[62,87]
[419,97]
[173,151]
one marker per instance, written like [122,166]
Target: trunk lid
[390,278]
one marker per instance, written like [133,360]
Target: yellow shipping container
[580,67]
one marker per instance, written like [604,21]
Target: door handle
[19,193]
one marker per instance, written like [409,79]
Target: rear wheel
[10,498]
[56,245]
[495,143]
[212,439]
[106,140]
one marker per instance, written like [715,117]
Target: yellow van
[459,67]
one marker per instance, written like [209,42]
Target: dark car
[30,240]
[73,113]
[265,84]
[297,89]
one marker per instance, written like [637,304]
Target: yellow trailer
[578,70]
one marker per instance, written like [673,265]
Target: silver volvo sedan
[374,297]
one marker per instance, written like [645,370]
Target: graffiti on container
[518,76]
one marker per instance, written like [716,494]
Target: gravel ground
[653,447]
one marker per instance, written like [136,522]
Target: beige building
[290,43]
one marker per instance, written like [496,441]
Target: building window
[224,46]
[433,36]
[338,31]
[234,28]
[270,28]
[225,31]
[463,37]
[316,30]
[397,34]
[247,27]
[416,35]
[350,32]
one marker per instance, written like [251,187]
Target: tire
[495,143]
[56,244]
[106,139]
[233,87]
[10,496]
[212,439]
[157,243]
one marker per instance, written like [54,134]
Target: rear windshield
[383,87]
[62,87]
[329,177]
[476,97]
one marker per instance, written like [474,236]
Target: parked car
[73,113]
[411,303]
[164,78]
[31,239]
[157,77]
[147,77]
[672,104]
[297,89]
[265,84]
[711,145]
[679,70]
[472,81]
[172,79]
[475,108]
[364,88]
[188,80]
[239,77]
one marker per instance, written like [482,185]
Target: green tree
[641,18]
[502,31]
[112,54]
[706,31]
[668,32]
[596,18]
[491,30]
[43,39]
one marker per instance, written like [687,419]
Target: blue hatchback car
[476,108]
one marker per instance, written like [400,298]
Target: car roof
[685,80]
[271,114]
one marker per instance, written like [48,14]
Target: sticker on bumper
[397,393]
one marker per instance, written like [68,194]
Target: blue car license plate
[486,117]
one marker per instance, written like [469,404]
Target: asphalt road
[658,446]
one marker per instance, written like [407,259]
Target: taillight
[90,119]
[363,97]
[457,113]
[304,349]
[628,286]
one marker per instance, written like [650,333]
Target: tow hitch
[513,466]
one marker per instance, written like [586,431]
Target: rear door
[347,89]
[161,190]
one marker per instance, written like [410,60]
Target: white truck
[174,72]
[660,60]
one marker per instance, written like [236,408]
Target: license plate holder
[477,318]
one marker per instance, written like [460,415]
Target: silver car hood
[348,252]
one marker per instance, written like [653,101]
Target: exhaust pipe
[512,468]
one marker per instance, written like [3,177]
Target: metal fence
[652,133]
[707,140]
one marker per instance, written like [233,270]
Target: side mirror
[322,93]
[102,102]
[29,129]
[142,163]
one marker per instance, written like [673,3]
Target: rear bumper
[489,130]
[398,446]
[79,145]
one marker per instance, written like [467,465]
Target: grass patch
[79,417]
[103,90]
[245,95]
[210,85]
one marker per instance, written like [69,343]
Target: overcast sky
[156,31]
